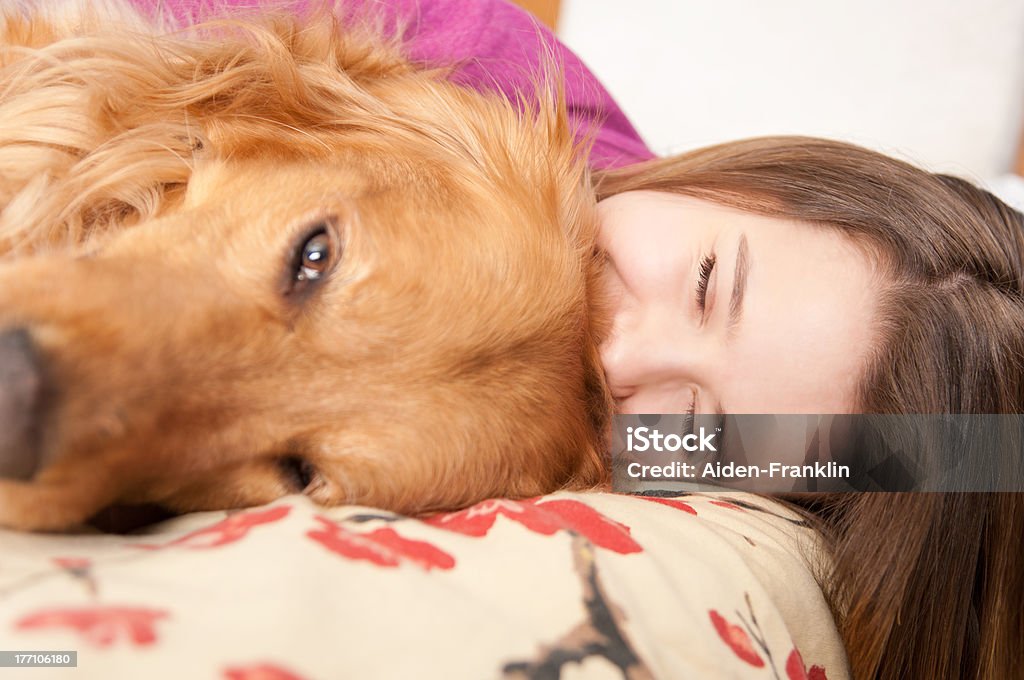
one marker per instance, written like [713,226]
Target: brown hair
[923,585]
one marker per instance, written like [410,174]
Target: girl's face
[722,311]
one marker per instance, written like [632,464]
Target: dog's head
[288,262]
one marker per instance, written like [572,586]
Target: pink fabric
[494,45]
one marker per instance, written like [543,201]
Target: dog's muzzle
[21,387]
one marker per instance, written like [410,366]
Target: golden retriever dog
[265,256]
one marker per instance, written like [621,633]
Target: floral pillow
[571,585]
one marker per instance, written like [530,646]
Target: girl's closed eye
[707,265]
[691,414]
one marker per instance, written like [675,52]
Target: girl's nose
[653,348]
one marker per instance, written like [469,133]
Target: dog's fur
[155,186]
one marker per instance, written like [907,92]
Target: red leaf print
[796,670]
[541,516]
[736,638]
[384,547]
[72,563]
[478,520]
[672,503]
[100,626]
[78,566]
[262,671]
[230,530]
[590,523]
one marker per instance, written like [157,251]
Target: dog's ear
[559,172]
[562,171]
[578,213]
[87,147]
[524,161]
[132,122]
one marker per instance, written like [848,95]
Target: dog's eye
[314,256]
[311,258]
[296,472]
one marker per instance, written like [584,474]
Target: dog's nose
[20,391]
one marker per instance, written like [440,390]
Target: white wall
[940,82]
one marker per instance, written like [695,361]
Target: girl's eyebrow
[739,283]
[739,288]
